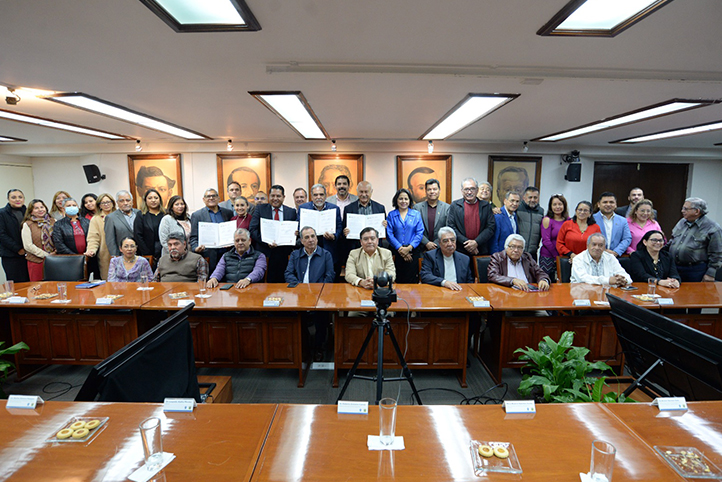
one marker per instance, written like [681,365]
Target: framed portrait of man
[325,168]
[412,172]
[513,173]
[161,172]
[252,171]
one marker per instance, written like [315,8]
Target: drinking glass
[651,286]
[63,290]
[202,284]
[602,463]
[387,420]
[150,434]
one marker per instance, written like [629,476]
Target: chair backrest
[421,260]
[626,262]
[564,269]
[481,268]
[65,267]
[718,275]
[151,260]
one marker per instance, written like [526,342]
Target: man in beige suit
[368,261]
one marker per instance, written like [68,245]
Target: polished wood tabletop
[302,297]
[215,442]
[420,297]
[131,296]
[308,442]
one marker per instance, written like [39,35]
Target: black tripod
[383,299]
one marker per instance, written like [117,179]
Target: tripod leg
[380,364]
[356,363]
[407,373]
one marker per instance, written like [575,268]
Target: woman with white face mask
[71,232]
[37,234]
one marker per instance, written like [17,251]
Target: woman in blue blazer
[404,231]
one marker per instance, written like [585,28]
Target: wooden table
[437,337]
[315,443]
[215,442]
[232,328]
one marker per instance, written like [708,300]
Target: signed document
[283,233]
[212,235]
[321,221]
[357,222]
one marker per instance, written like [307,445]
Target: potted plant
[6,365]
[559,373]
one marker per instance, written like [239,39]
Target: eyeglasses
[470,189]
[655,240]
[106,203]
[583,210]
[515,247]
[687,209]
[211,196]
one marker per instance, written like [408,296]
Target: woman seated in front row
[649,261]
[128,266]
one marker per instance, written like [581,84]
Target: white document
[212,235]
[321,221]
[357,222]
[283,233]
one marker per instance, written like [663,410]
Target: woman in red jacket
[573,235]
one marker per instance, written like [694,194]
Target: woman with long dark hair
[37,234]
[404,231]
[557,214]
[649,261]
[573,235]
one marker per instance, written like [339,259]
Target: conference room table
[314,443]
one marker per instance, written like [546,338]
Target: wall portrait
[161,172]
[412,172]
[251,170]
[325,168]
[512,173]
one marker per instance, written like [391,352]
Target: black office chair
[481,268]
[718,275]
[65,267]
[564,269]
[626,262]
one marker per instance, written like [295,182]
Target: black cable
[60,392]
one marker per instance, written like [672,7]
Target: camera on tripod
[384,293]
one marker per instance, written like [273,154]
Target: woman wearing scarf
[37,235]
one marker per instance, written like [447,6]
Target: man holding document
[324,218]
[361,213]
[242,266]
[211,213]
[273,229]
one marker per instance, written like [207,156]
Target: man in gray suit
[433,214]
[234,190]
[119,223]
[211,213]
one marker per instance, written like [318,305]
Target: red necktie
[275,216]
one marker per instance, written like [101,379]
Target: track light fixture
[12,98]
[138,147]
[333,145]
[431,147]
[525,148]
[229,145]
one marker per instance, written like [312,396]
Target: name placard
[665,301]
[670,403]
[178,404]
[368,303]
[271,303]
[17,300]
[519,406]
[481,303]
[353,408]
[104,301]
[582,303]
[184,303]
[24,401]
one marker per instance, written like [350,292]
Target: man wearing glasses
[119,223]
[515,268]
[472,220]
[696,243]
[211,213]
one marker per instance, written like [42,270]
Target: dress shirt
[365,210]
[608,225]
[130,218]
[308,265]
[586,270]
[516,270]
[638,232]
[216,217]
[513,222]
[697,242]
[408,231]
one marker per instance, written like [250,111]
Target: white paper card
[178,405]
[665,301]
[357,222]
[216,235]
[321,221]
[355,408]
[104,301]
[183,303]
[519,406]
[670,403]
[374,443]
[145,288]
[24,401]
[283,233]
[60,301]
[271,303]
[17,300]
[368,303]
[582,303]
[481,303]
[143,474]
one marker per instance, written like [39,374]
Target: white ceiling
[372,70]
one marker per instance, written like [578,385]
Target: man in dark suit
[472,220]
[119,223]
[444,266]
[433,214]
[364,205]
[507,222]
[329,240]
[513,267]
[276,256]
[211,213]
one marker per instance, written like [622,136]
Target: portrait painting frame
[325,165]
[427,166]
[498,165]
[151,168]
[230,163]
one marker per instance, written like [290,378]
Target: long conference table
[314,443]
[236,328]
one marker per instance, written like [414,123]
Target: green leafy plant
[559,373]
[6,365]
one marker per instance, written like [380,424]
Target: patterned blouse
[117,271]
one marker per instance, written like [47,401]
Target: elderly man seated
[368,261]
[598,267]
[513,267]
[310,263]
[444,266]
[242,266]
[179,264]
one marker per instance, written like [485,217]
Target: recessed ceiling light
[11,139]
[657,110]
[471,108]
[599,18]
[100,106]
[205,16]
[685,131]
[293,109]
[40,121]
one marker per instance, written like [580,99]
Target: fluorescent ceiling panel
[685,131]
[293,109]
[204,16]
[604,18]
[471,108]
[40,121]
[653,111]
[99,106]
